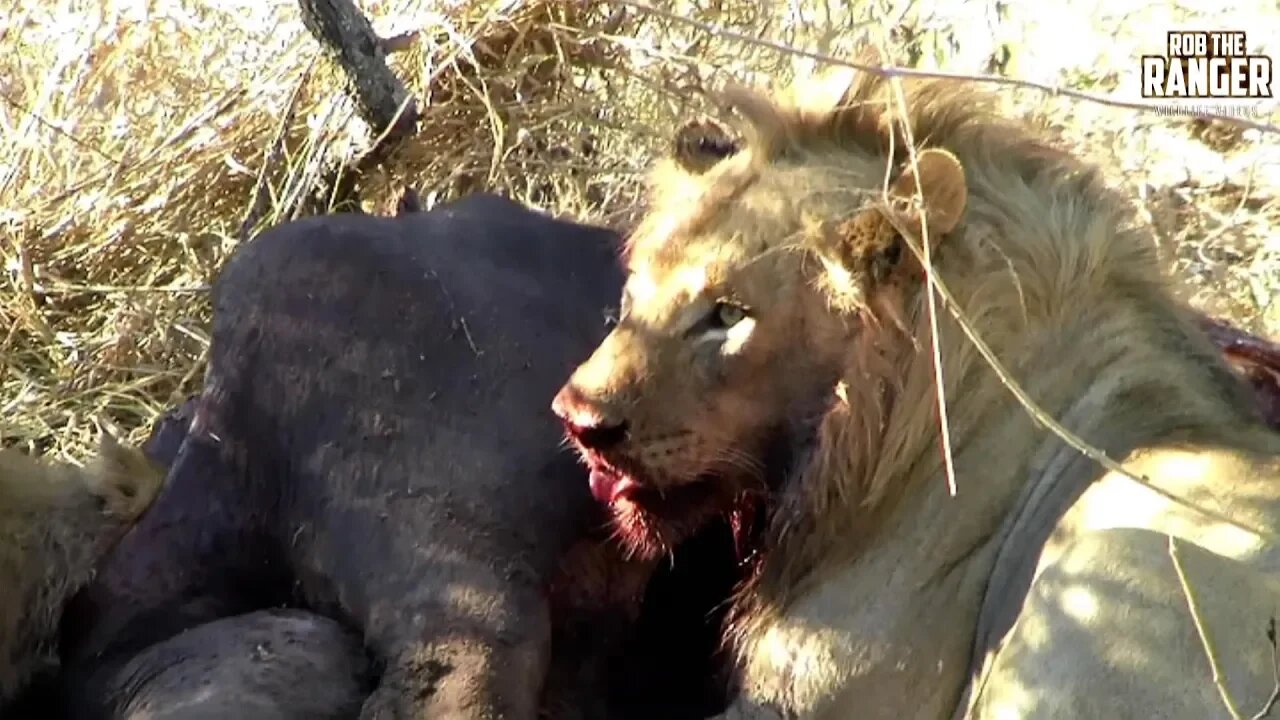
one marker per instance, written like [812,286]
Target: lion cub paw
[124,478]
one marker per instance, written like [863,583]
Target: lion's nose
[590,426]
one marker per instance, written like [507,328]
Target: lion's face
[676,409]
[734,330]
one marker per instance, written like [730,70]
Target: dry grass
[134,138]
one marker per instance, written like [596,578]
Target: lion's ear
[773,120]
[871,240]
[939,177]
[700,144]
[867,253]
[826,91]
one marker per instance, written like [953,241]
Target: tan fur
[56,521]
[874,580]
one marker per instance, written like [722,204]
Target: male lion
[56,521]
[775,342]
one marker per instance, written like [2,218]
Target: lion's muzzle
[586,423]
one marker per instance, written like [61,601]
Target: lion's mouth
[650,516]
[616,480]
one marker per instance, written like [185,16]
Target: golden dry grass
[136,135]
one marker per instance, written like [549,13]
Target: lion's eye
[893,253]
[883,262]
[726,315]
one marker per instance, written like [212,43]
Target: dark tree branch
[398,43]
[344,31]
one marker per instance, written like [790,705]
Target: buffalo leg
[263,665]
[459,672]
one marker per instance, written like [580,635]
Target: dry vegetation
[137,136]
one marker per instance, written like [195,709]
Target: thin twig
[1210,655]
[944,423]
[54,127]
[75,288]
[470,341]
[890,71]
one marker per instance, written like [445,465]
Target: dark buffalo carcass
[372,445]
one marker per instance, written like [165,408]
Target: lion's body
[1046,584]
[56,521]
[1105,629]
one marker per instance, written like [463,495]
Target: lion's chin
[652,513]
[650,522]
